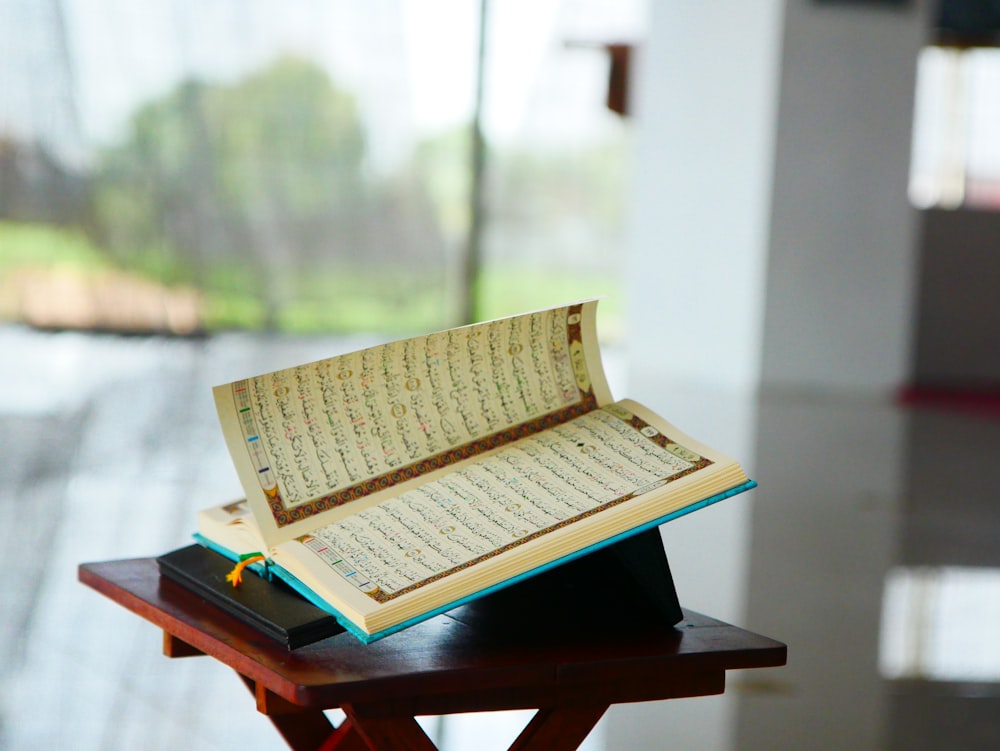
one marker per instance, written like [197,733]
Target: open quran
[395,483]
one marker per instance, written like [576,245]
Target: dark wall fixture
[968,23]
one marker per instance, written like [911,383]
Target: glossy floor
[872,548]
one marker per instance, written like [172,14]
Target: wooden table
[570,663]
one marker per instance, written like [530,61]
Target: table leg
[551,729]
[174,647]
[559,728]
[305,729]
[388,733]
[345,738]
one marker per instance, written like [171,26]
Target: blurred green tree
[266,174]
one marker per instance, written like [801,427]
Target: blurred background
[791,208]
[180,167]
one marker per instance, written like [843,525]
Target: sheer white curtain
[300,163]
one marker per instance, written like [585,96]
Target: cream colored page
[514,495]
[231,525]
[309,432]
[591,354]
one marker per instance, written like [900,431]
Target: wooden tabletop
[469,650]
[519,648]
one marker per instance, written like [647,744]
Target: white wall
[771,244]
[705,107]
[841,262]
[772,239]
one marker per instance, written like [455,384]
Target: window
[303,165]
[956,148]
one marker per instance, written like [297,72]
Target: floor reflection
[949,536]
[870,548]
[873,555]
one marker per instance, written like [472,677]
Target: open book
[394,483]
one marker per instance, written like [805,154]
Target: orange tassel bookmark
[236,575]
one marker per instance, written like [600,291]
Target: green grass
[46,246]
[351,300]
[516,289]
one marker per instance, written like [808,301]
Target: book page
[309,439]
[231,529]
[516,495]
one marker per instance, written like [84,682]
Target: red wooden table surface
[569,663]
